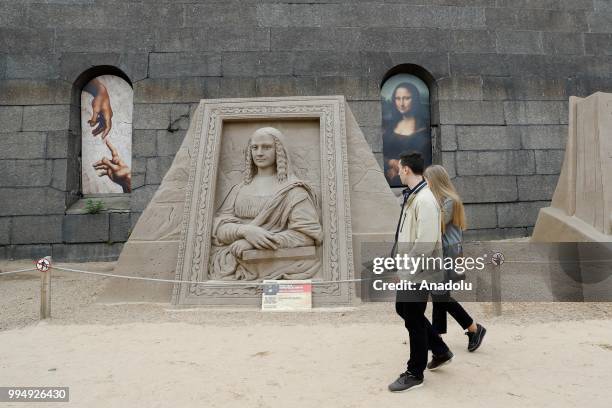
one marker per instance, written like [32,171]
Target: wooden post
[45,293]
[496,293]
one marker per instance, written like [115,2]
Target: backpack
[452,247]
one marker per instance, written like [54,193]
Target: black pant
[411,307]
[444,303]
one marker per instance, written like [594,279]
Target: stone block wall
[502,73]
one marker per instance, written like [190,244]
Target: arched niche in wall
[406,107]
[106,135]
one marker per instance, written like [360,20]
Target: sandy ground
[151,355]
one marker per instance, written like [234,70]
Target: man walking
[418,235]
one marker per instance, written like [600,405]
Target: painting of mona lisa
[405,122]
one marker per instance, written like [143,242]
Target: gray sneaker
[406,381]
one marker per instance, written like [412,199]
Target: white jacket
[419,233]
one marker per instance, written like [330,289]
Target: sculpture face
[403,100]
[263,151]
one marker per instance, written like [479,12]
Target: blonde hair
[282,157]
[440,184]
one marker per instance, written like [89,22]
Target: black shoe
[475,339]
[406,381]
[438,361]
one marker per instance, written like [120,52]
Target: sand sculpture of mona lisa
[270,209]
[406,122]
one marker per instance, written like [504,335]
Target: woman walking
[453,224]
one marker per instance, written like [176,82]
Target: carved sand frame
[195,244]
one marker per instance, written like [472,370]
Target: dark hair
[414,160]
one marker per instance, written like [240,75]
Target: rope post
[44,266]
[496,291]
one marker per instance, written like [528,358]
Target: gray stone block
[13,15]
[367,113]
[519,42]
[254,64]
[494,234]
[140,197]
[538,187]
[73,64]
[488,138]
[86,252]
[138,180]
[535,19]
[518,65]
[486,189]
[549,161]
[5,252]
[175,90]
[459,88]
[448,161]
[602,5]
[46,229]
[47,117]
[238,87]
[503,162]
[353,88]
[394,39]
[563,43]
[179,117]
[220,14]
[22,145]
[535,112]
[454,18]
[327,63]
[473,41]
[85,228]
[120,227]
[543,137]
[25,173]
[34,92]
[285,86]
[31,252]
[361,15]
[227,38]
[548,4]
[526,88]
[144,143]
[316,39]
[45,66]
[599,22]
[157,167]
[26,40]
[598,44]
[181,64]
[124,40]
[5,230]
[481,216]
[139,165]
[59,179]
[57,144]
[10,118]
[471,113]
[449,138]
[377,64]
[168,143]
[151,116]
[289,15]
[519,214]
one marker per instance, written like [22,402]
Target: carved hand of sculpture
[115,169]
[259,237]
[102,113]
[238,247]
[393,169]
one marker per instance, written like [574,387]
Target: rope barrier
[20,270]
